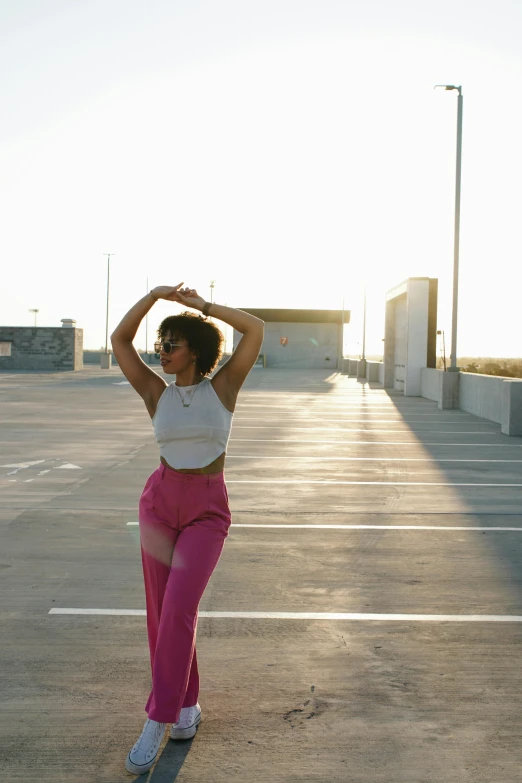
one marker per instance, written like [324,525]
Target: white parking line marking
[435,618]
[20,466]
[381,410]
[367,459]
[366,430]
[374,483]
[372,527]
[379,442]
[395,420]
[23,464]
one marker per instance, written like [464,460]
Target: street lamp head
[448,87]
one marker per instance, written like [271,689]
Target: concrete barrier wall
[94,357]
[430,384]
[489,397]
[373,371]
[511,407]
[352,366]
[481,395]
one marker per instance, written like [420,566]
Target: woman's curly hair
[202,336]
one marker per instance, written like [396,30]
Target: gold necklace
[187,405]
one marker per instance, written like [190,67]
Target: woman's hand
[185,296]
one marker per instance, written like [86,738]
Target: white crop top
[191,437]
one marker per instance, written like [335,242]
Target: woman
[183,512]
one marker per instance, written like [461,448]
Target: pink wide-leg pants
[184,520]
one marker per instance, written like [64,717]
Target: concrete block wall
[489,397]
[94,357]
[373,371]
[55,348]
[511,423]
[449,390]
[369,370]
[430,384]
[481,395]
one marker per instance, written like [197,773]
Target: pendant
[190,394]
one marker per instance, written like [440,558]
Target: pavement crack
[299,715]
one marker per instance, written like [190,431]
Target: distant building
[300,339]
[55,348]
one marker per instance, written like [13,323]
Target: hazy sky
[291,150]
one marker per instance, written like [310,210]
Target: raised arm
[234,372]
[147,383]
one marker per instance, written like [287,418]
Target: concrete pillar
[361,368]
[373,371]
[449,383]
[417,335]
[352,366]
[389,345]
[106,361]
[410,334]
[511,411]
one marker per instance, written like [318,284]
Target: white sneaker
[143,755]
[187,724]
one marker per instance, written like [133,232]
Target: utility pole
[342,335]
[107,316]
[364,327]
[361,365]
[454,367]
[34,311]
[212,283]
[147,326]
[456,240]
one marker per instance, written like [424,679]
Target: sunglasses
[166,346]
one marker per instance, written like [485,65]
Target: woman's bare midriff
[215,467]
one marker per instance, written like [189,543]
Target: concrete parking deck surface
[371,586]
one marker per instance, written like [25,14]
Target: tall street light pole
[453,365]
[364,327]
[212,284]
[361,364]
[107,316]
[342,336]
[147,326]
